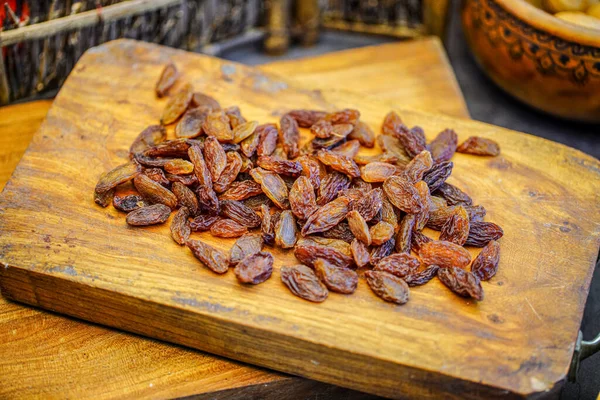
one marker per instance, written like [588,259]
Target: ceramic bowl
[548,63]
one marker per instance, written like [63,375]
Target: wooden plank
[514,342]
[18,123]
[71,375]
[414,74]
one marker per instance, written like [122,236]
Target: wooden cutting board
[63,253]
[76,359]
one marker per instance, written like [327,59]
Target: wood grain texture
[414,74]
[94,361]
[66,254]
[18,123]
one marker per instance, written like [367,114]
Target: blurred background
[532,67]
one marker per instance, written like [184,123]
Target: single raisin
[149,137]
[443,146]
[403,194]
[213,259]
[204,100]
[302,198]
[128,203]
[456,228]
[421,277]
[336,252]
[444,254]
[388,287]
[153,192]
[286,230]
[167,79]
[178,166]
[327,216]
[330,186]
[479,146]
[117,176]
[215,157]
[180,226]
[363,133]
[339,280]
[273,186]
[177,104]
[304,283]
[399,264]
[217,124]
[453,195]
[150,215]
[241,190]
[359,227]
[381,232]
[190,125]
[289,135]
[405,233]
[227,228]
[255,268]
[461,282]
[186,198]
[360,253]
[485,264]
[481,233]
[307,118]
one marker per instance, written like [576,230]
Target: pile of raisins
[338,211]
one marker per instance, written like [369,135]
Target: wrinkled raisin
[304,283]
[481,233]
[217,124]
[339,280]
[336,252]
[388,287]
[307,118]
[204,100]
[128,203]
[359,253]
[421,277]
[190,125]
[399,264]
[255,268]
[186,198]
[402,194]
[213,259]
[289,135]
[327,216]
[286,230]
[479,146]
[443,146]
[302,198]
[227,228]
[444,254]
[153,192]
[461,282]
[180,226]
[363,133]
[456,228]
[167,79]
[149,137]
[485,264]
[151,215]
[177,104]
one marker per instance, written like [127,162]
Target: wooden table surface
[46,355]
[67,256]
